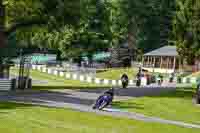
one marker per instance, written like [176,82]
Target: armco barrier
[7,84]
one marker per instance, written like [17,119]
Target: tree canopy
[76,26]
[186,29]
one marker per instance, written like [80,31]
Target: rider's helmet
[124,77]
[110,91]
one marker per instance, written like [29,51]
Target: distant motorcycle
[138,81]
[124,83]
[124,80]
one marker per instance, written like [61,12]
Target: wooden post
[174,65]
[151,62]
[143,61]
[167,62]
[161,62]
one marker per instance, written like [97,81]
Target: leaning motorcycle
[102,102]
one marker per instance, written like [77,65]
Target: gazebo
[163,60]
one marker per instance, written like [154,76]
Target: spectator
[138,77]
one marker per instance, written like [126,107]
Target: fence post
[13,84]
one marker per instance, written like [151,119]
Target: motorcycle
[104,100]
[124,83]
[138,81]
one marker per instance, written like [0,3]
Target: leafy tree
[149,23]
[186,29]
[53,14]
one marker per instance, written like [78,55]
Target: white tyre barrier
[106,81]
[55,72]
[44,70]
[89,79]
[68,75]
[82,78]
[184,80]
[131,82]
[33,67]
[49,71]
[97,81]
[39,68]
[114,82]
[61,74]
[75,76]
[119,82]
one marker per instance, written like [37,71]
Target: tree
[25,13]
[186,29]
[149,23]
[89,25]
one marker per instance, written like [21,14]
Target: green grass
[56,82]
[116,73]
[172,105]
[18,118]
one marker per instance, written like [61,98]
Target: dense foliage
[186,29]
[78,26]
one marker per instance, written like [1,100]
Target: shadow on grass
[185,93]
[10,105]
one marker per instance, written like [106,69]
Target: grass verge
[19,118]
[172,105]
[116,73]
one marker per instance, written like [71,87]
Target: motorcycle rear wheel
[103,105]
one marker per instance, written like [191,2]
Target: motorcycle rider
[138,77]
[124,80]
[109,95]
